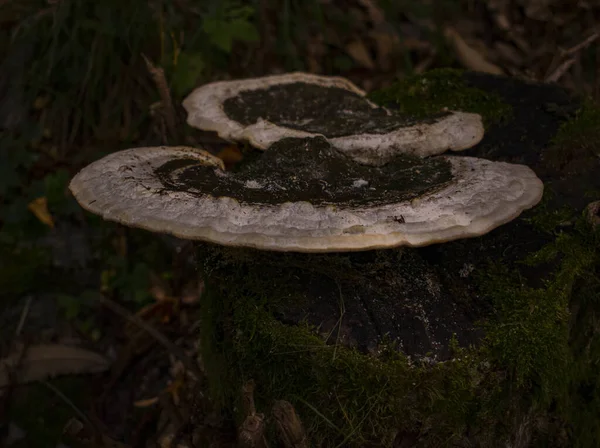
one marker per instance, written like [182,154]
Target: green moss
[528,335]
[546,217]
[579,277]
[578,139]
[541,352]
[342,395]
[548,338]
[427,94]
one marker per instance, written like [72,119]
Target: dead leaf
[176,388]
[120,243]
[385,37]
[41,102]
[375,13]
[315,52]
[424,64]
[161,311]
[289,426]
[358,51]
[510,53]
[413,44]
[159,289]
[145,403]
[39,207]
[592,213]
[76,429]
[44,361]
[230,155]
[386,43]
[538,10]
[169,436]
[468,56]
[192,292]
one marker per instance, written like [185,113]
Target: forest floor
[81,79]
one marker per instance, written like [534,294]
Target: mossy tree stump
[487,341]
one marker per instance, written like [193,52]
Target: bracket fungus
[267,109]
[303,196]
[303,324]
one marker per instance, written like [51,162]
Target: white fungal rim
[456,131]
[123,187]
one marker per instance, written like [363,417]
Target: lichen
[431,93]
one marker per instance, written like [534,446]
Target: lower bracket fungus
[268,109]
[303,196]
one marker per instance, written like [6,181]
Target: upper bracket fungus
[304,196]
[268,109]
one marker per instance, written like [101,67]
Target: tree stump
[477,342]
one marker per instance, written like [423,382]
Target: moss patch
[344,397]
[528,334]
[537,361]
[577,142]
[430,93]
[547,217]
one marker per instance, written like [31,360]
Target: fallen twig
[581,45]
[559,71]
[289,426]
[24,315]
[158,76]
[251,433]
[571,56]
